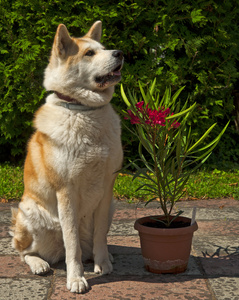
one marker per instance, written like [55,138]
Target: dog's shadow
[128,266]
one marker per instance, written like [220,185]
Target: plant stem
[157,173]
[176,182]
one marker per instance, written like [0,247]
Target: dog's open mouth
[110,78]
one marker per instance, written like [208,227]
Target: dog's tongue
[117,73]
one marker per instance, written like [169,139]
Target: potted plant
[167,157]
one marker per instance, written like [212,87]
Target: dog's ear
[95,31]
[62,41]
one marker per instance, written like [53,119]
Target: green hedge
[191,43]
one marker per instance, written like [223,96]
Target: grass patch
[202,185]
[11,182]
[215,184]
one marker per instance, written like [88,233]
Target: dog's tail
[22,238]
[14,211]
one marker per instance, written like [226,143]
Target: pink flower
[176,124]
[139,105]
[156,116]
[133,119]
[152,117]
[167,111]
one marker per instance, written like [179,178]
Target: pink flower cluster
[150,116]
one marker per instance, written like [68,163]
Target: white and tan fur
[69,173]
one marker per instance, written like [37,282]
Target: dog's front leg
[76,282]
[102,260]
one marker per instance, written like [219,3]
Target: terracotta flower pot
[165,250]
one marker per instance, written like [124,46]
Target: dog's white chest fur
[80,138]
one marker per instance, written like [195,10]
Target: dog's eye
[90,53]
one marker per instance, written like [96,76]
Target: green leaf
[144,160]
[146,100]
[124,96]
[177,215]
[150,200]
[147,145]
[202,138]
[202,158]
[197,16]
[176,95]
[182,113]
[166,98]
[132,98]
[150,188]
[152,87]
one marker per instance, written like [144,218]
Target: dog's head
[78,64]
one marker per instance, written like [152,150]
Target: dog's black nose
[118,53]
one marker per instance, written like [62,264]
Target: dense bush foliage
[191,43]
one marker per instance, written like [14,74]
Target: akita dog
[72,159]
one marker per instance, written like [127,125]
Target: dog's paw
[77,285]
[41,269]
[103,268]
[37,265]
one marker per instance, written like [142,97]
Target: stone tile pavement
[213,271]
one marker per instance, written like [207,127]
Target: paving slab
[24,288]
[218,227]
[136,287]
[216,245]
[6,247]
[225,266]
[213,269]
[225,288]
[4,229]
[122,229]
[12,266]
[5,216]
[229,213]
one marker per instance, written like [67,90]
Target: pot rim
[138,225]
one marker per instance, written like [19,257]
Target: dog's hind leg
[22,239]
[37,265]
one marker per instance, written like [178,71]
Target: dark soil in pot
[174,224]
